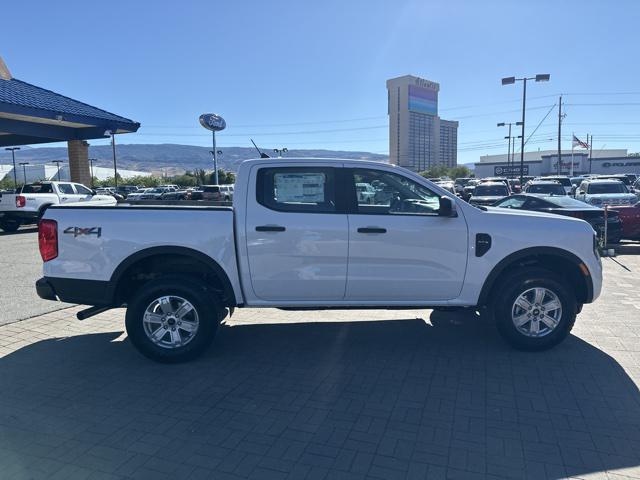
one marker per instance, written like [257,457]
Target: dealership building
[545,162]
[418,137]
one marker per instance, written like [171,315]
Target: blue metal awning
[30,114]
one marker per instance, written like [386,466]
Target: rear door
[296,240]
[400,249]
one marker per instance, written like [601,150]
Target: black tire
[205,302]
[10,225]
[515,284]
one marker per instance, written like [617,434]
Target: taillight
[21,201]
[48,239]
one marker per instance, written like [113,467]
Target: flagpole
[573,145]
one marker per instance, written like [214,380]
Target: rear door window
[66,188]
[297,189]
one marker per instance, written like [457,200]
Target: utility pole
[559,133]
[15,175]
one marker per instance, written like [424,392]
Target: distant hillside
[171,158]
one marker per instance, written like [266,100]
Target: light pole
[113,150]
[24,170]
[280,151]
[541,77]
[57,162]
[91,160]
[508,138]
[13,156]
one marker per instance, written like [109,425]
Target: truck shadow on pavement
[414,398]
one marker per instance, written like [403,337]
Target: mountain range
[170,158]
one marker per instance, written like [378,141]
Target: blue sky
[307,74]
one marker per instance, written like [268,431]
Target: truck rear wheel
[9,225]
[173,319]
[534,309]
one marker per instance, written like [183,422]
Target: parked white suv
[299,237]
[605,192]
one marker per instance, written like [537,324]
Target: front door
[400,249]
[296,240]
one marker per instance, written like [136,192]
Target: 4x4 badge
[76,231]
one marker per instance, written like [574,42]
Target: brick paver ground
[327,395]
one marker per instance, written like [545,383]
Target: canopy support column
[79,161]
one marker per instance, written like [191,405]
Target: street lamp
[280,151]
[510,152]
[13,156]
[57,162]
[24,170]
[91,160]
[113,150]
[541,77]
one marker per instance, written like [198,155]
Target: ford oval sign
[212,122]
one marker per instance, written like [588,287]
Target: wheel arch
[555,259]
[168,257]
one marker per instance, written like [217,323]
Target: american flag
[579,143]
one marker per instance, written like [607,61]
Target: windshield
[548,188]
[603,188]
[490,191]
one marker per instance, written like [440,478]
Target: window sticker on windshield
[299,187]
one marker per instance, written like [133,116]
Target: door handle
[372,230]
[270,228]
[64,198]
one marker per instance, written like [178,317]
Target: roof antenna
[262,155]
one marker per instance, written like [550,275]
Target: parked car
[630,217]
[460,183]
[137,195]
[545,187]
[467,191]
[448,185]
[175,195]
[217,193]
[514,184]
[366,193]
[28,205]
[488,193]
[500,180]
[570,207]
[600,192]
[156,193]
[296,241]
[562,180]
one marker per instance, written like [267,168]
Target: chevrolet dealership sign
[510,170]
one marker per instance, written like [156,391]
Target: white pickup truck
[299,237]
[29,204]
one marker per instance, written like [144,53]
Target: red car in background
[630,216]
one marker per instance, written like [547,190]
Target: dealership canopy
[30,114]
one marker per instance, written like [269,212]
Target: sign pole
[215,158]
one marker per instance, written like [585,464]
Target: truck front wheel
[534,309]
[173,319]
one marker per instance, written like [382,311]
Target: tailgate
[93,241]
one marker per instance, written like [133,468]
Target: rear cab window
[297,189]
[66,188]
[38,188]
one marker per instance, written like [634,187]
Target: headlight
[594,201]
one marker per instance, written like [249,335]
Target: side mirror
[446,207]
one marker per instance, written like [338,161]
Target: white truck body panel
[320,260]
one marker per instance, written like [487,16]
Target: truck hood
[608,196]
[530,213]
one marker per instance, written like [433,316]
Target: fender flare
[173,250]
[512,258]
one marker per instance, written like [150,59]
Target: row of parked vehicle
[216,193]
[581,197]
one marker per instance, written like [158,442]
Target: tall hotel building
[418,137]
